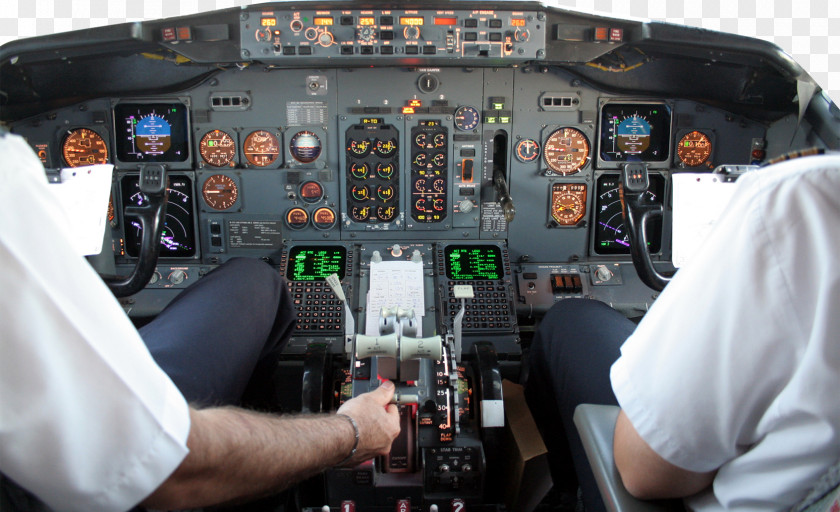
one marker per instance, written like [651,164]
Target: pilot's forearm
[645,474]
[236,454]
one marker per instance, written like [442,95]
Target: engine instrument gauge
[219,192]
[694,148]
[386,213]
[385,148]
[568,203]
[261,148]
[359,148]
[527,150]
[84,146]
[566,151]
[385,171]
[305,147]
[467,118]
[217,148]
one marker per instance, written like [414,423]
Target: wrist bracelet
[355,443]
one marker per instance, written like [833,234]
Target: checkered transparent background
[809,30]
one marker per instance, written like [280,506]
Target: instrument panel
[525,155]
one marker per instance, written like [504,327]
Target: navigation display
[178,237]
[635,132]
[315,263]
[611,235]
[151,133]
[473,262]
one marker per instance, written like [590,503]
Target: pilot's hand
[377,418]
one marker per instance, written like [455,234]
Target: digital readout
[473,262]
[411,20]
[446,21]
[367,21]
[322,21]
[268,22]
[517,22]
[315,263]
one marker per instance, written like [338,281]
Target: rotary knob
[177,276]
[466,206]
[412,33]
[396,251]
[326,39]
[603,274]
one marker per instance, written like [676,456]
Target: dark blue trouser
[571,355]
[211,337]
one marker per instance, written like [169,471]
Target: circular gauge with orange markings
[694,148]
[84,146]
[566,151]
[261,148]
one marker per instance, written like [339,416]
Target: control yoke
[637,213]
[152,217]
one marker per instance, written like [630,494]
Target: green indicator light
[504,120]
[211,143]
[498,106]
[490,120]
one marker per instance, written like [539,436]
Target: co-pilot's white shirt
[88,421]
[737,364]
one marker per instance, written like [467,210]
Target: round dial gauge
[323,218]
[385,148]
[83,146]
[385,171]
[219,192]
[297,218]
[694,148]
[568,203]
[360,213]
[305,147]
[467,118]
[359,148]
[311,191]
[217,148]
[261,148]
[566,151]
[386,213]
[527,150]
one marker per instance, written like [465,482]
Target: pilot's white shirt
[88,421]
[737,364]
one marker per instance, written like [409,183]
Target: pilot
[728,385]
[90,421]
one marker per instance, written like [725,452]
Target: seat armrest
[596,427]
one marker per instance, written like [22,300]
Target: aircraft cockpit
[430,178]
